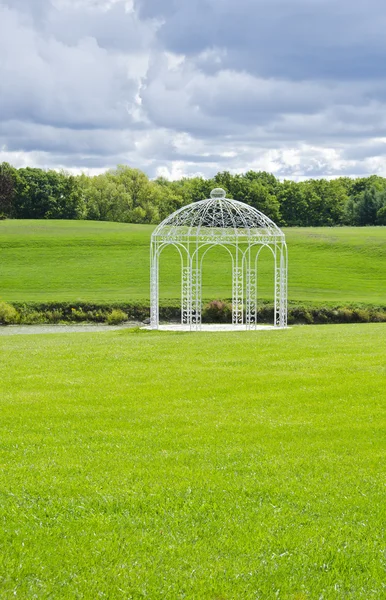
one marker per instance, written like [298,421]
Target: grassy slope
[105,262]
[253,468]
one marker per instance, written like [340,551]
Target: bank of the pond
[218,311]
[71,328]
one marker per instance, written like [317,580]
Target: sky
[192,87]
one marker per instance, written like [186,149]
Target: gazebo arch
[243,231]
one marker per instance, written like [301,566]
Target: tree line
[127,195]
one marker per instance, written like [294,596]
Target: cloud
[78,84]
[295,39]
[179,88]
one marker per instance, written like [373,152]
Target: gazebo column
[196,301]
[154,278]
[237,292]
[251,299]
[186,285]
[281,286]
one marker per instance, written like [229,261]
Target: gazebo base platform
[213,327]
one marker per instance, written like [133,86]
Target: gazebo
[243,231]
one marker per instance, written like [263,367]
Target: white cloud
[178,90]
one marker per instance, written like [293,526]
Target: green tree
[140,194]
[47,195]
[258,195]
[365,206]
[167,197]
[7,189]
[126,194]
[33,194]
[326,202]
[105,198]
[255,188]
[67,200]
[381,212]
[361,184]
[224,179]
[381,215]
[267,179]
[293,204]
[193,189]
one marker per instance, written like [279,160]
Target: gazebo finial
[218,193]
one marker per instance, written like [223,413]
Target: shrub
[264,314]
[217,311]
[345,315]
[8,314]
[78,315]
[378,316]
[320,315]
[116,316]
[361,315]
[54,316]
[299,314]
[33,318]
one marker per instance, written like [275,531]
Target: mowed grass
[202,466]
[73,261]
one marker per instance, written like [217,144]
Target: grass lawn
[60,261]
[201,466]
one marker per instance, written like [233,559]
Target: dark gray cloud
[294,39]
[28,137]
[366,150]
[37,9]
[115,30]
[178,88]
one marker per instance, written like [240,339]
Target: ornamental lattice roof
[218,217]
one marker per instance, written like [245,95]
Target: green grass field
[60,261]
[201,466]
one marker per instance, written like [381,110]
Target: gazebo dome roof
[217,216]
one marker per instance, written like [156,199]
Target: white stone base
[213,327]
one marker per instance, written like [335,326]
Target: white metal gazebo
[243,231]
